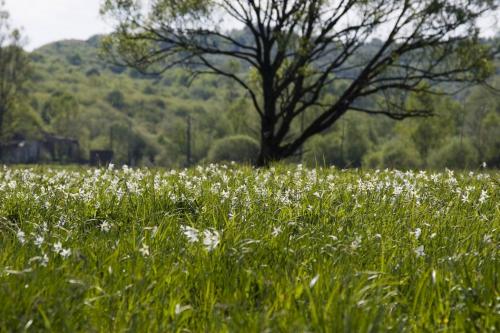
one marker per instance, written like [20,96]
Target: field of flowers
[233,249]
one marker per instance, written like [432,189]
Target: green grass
[298,250]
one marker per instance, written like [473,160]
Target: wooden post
[188,141]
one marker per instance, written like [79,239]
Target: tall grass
[233,249]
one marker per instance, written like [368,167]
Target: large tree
[14,65]
[298,49]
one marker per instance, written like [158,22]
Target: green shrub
[395,154]
[238,148]
[456,154]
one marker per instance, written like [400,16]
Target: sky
[45,21]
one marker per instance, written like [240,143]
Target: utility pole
[129,138]
[302,125]
[111,138]
[188,141]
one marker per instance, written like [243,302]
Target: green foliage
[14,66]
[75,60]
[23,122]
[116,99]
[458,153]
[238,148]
[344,146]
[118,110]
[397,153]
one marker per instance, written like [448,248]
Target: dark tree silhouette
[295,50]
[14,65]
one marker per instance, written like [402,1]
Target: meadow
[235,249]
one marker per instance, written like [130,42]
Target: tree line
[141,111]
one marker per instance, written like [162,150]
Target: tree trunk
[269,147]
[2,113]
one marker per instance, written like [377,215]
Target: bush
[238,148]
[456,154]
[396,154]
[116,99]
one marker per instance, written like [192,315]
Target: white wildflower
[488,239]
[58,247]
[314,281]
[65,253]
[484,196]
[21,236]
[211,239]
[38,241]
[419,251]
[105,226]
[276,231]
[45,260]
[180,309]
[416,233]
[144,250]
[356,243]
[62,221]
[191,234]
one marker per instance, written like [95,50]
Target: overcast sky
[45,21]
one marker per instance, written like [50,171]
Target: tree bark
[2,113]
[269,148]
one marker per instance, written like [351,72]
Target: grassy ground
[233,249]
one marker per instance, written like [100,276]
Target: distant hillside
[76,93]
[116,101]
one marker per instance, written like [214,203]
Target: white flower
[210,239]
[313,281]
[417,233]
[38,241]
[21,236]
[180,309]
[419,251]
[62,221]
[484,165]
[105,226]
[487,239]
[484,196]
[58,247]
[154,231]
[191,234]
[65,253]
[276,231]
[45,260]
[144,250]
[356,243]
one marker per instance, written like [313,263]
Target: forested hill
[75,93]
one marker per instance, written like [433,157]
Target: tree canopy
[14,65]
[300,48]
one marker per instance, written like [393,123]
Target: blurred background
[74,106]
